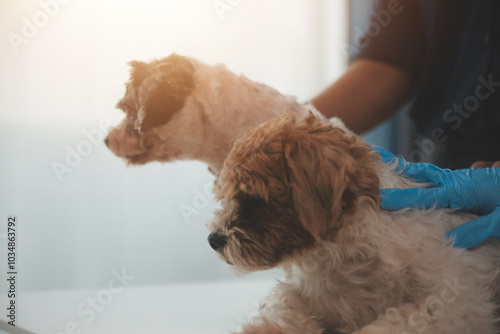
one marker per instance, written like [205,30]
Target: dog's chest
[348,294]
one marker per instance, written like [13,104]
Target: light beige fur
[302,195]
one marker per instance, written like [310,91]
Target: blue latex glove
[474,190]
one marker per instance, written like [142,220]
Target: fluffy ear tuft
[138,71]
[165,84]
[329,173]
[236,180]
[254,165]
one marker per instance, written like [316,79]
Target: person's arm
[369,93]
[385,67]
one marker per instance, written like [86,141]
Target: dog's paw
[390,323]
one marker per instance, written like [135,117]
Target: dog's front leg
[283,312]
[394,321]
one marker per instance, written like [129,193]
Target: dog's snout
[106,141]
[217,241]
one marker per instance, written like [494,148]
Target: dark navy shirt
[451,48]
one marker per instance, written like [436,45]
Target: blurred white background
[59,80]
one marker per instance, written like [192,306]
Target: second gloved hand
[474,190]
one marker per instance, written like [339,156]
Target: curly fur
[300,194]
[181,108]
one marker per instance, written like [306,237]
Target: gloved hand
[474,190]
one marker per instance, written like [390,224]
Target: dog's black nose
[217,241]
[106,141]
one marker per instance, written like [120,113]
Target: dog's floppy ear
[164,86]
[329,173]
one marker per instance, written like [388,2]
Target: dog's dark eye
[249,206]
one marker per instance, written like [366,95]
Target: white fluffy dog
[303,195]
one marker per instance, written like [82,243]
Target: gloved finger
[476,231]
[424,173]
[416,198]
[390,158]
[420,172]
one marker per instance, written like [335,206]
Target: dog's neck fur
[228,106]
